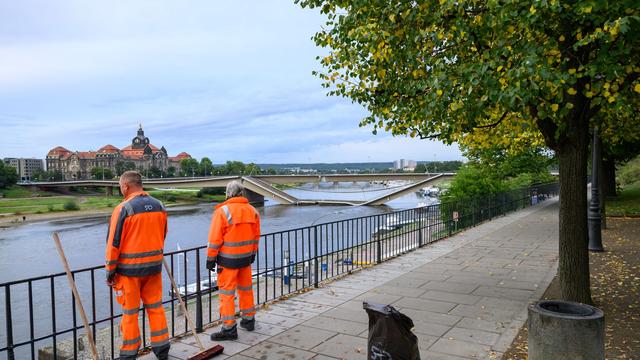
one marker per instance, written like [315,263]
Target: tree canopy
[511,73]
[8,175]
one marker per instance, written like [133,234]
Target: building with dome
[140,155]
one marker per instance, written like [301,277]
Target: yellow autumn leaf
[589,94]
[569,105]
[637,88]
[439,92]
[572,71]
[611,99]
[499,68]
[561,38]
[554,107]
[572,91]
[532,10]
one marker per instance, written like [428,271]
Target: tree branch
[494,124]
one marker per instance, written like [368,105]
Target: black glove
[211,264]
[253,258]
[111,278]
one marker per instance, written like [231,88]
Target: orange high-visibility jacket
[135,240]
[234,233]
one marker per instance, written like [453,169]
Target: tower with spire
[140,141]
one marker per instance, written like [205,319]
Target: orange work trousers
[228,281]
[130,290]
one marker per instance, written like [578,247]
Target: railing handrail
[339,246]
[200,247]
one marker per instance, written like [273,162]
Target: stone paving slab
[467,296]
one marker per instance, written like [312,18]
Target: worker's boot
[226,334]
[247,324]
[162,352]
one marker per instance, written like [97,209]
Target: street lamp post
[594,216]
[435,170]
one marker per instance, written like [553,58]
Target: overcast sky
[229,80]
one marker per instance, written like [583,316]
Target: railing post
[7,297]
[473,213]
[490,210]
[198,292]
[420,214]
[315,256]
[379,243]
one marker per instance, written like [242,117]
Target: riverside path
[467,296]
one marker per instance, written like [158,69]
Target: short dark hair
[131,177]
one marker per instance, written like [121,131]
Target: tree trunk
[574,239]
[609,178]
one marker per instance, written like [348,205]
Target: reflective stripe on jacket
[234,233]
[135,239]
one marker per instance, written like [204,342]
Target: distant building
[25,168]
[141,153]
[404,164]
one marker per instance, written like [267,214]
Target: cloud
[224,80]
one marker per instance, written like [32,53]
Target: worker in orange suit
[135,243]
[233,244]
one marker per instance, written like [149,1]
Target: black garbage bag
[390,335]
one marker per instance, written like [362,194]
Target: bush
[630,172]
[210,191]
[71,205]
[171,198]
[50,207]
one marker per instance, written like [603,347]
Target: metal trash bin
[565,330]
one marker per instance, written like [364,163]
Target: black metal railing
[38,315]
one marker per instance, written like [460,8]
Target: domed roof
[108,149]
[58,150]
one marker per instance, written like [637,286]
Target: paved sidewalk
[467,296]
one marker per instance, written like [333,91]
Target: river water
[28,251]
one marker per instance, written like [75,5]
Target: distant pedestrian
[24,218]
[233,244]
[134,252]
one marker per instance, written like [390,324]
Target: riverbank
[21,207]
[8,221]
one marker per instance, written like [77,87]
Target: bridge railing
[39,318]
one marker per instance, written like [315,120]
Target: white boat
[430,191]
[190,289]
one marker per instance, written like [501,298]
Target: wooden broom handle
[72,283]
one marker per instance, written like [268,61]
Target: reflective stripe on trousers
[230,280]
[149,290]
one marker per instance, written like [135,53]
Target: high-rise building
[404,164]
[25,167]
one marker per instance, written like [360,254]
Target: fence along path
[38,314]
